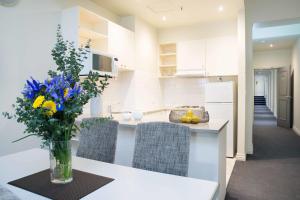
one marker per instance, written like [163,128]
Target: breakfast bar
[207,158]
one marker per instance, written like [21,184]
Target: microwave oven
[103,63]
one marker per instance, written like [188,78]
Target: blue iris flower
[76,90]
[55,87]
[60,107]
[31,88]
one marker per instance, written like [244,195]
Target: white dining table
[130,183]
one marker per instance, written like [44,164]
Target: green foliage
[61,125]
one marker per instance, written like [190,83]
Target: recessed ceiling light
[164,18]
[271,45]
[220,8]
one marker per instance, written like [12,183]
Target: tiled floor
[230,162]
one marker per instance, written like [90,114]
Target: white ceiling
[177,12]
[278,43]
[282,34]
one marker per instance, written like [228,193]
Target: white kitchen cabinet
[121,43]
[221,56]
[191,55]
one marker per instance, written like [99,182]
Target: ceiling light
[220,8]
[271,45]
[164,18]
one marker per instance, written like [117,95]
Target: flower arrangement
[49,108]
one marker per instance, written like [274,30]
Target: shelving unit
[168,61]
[80,25]
[87,33]
[93,27]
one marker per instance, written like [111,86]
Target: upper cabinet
[221,56]
[191,55]
[216,56]
[121,43]
[80,25]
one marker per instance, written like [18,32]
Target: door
[121,44]
[259,85]
[284,97]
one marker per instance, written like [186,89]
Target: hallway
[273,171]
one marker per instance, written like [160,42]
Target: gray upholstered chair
[6,194]
[98,142]
[162,147]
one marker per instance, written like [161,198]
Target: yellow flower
[38,101]
[51,106]
[66,92]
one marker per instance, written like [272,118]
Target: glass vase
[60,162]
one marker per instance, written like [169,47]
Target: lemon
[185,119]
[195,119]
[189,113]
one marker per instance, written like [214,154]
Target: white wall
[28,33]
[296,68]
[26,42]
[187,91]
[183,91]
[148,91]
[198,31]
[190,91]
[141,89]
[272,58]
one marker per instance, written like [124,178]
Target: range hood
[191,73]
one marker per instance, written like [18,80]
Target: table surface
[129,183]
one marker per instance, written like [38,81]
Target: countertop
[213,126]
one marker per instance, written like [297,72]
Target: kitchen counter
[207,158]
[213,126]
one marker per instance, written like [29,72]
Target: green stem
[24,137]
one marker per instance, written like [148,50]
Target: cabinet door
[191,55]
[128,50]
[121,44]
[222,56]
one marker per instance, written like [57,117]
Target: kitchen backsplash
[188,91]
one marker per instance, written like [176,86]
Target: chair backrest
[6,194]
[98,141]
[162,147]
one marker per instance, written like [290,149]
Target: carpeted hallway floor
[273,171]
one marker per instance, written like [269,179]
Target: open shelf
[168,60]
[167,71]
[166,77]
[167,54]
[90,34]
[168,65]
[169,48]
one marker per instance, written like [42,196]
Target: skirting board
[240,157]
[296,130]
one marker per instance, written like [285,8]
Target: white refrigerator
[220,102]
